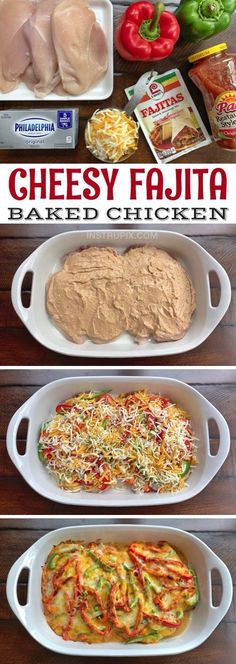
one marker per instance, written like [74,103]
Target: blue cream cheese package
[39,128]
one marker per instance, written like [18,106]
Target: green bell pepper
[140,638]
[200,19]
[41,454]
[52,562]
[196,598]
[185,468]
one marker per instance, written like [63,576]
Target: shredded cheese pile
[96,441]
[111,135]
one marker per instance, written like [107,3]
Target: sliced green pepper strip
[90,570]
[52,560]
[196,584]
[186,468]
[95,395]
[40,453]
[103,565]
[140,638]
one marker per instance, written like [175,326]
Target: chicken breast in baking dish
[80,46]
[14,47]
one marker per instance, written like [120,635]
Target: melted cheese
[110,592]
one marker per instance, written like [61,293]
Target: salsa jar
[214,73]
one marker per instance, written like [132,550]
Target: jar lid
[207,51]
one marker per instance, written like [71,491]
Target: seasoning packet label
[169,118]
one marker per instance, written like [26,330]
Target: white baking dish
[103,88]
[42,405]
[205,616]
[48,258]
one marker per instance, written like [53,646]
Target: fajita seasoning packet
[169,118]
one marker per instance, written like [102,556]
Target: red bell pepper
[63,406]
[170,623]
[167,619]
[146,32]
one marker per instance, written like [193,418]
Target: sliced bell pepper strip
[196,585]
[52,562]
[41,453]
[101,393]
[142,637]
[169,623]
[64,407]
[102,630]
[167,620]
[138,552]
[186,468]
[113,605]
[107,568]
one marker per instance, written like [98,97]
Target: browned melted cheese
[100,592]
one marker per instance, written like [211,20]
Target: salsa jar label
[223,115]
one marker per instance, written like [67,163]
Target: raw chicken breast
[14,49]
[42,75]
[80,45]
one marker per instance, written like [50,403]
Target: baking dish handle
[215,461]
[22,312]
[11,438]
[218,612]
[217,313]
[24,562]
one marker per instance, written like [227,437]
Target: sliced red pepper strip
[106,397]
[134,549]
[84,610]
[168,623]
[131,632]
[56,581]
[156,571]
[165,620]
[179,570]
[79,583]
[147,488]
[65,633]
[113,605]
[138,566]
[167,570]
[71,609]
[164,401]
[63,406]
[95,593]
[80,426]
[171,565]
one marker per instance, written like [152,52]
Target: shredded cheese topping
[96,441]
[111,135]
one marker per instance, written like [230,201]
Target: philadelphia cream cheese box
[39,128]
